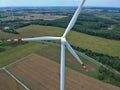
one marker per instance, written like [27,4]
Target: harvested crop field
[96,44]
[40,73]
[40,16]
[7,83]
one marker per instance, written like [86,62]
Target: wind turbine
[64,44]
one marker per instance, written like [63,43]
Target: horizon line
[65,6]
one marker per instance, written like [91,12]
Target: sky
[98,3]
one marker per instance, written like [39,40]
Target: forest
[89,24]
[102,22]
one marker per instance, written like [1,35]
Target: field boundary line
[18,60]
[18,81]
[84,56]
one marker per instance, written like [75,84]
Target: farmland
[35,17]
[27,14]
[40,73]
[96,44]
[15,53]
[39,16]
[20,51]
[29,24]
[101,22]
[6,82]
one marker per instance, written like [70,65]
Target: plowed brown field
[7,83]
[40,73]
[40,16]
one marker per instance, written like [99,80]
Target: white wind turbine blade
[36,38]
[62,68]
[74,54]
[74,18]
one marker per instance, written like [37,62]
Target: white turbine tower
[64,44]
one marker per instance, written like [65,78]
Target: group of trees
[88,24]
[13,25]
[104,73]
[107,74]
[111,61]
[10,31]
[9,25]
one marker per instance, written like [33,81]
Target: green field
[12,54]
[16,53]
[96,44]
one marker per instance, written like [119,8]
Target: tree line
[13,25]
[88,24]
[104,74]
[109,76]
[111,61]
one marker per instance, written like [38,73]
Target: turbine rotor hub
[63,40]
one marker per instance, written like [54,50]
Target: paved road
[86,57]
[81,54]
[89,58]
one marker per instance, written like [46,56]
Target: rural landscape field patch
[96,44]
[7,83]
[39,16]
[40,73]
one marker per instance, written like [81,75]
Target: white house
[110,28]
[6,28]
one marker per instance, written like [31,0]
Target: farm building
[6,28]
